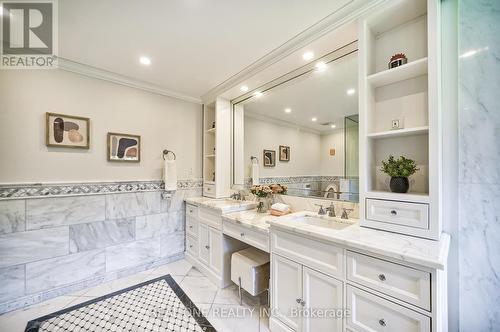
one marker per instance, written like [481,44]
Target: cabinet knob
[190,246]
[208,247]
[298,300]
[191,226]
[302,303]
[242,234]
[382,322]
[190,211]
[381,277]
[394,212]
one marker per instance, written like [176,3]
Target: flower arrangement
[268,190]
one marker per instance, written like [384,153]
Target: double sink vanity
[359,279]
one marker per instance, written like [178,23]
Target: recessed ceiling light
[350,92]
[288,110]
[244,88]
[145,60]
[314,119]
[320,66]
[258,94]
[333,126]
[308,55]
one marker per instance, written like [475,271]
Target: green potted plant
[399,170]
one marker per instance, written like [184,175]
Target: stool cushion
[252,266]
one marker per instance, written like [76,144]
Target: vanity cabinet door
[321,292]
[286,290]
[203,243]
[215,249]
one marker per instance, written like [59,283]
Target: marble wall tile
[156,224]
[101,234]
[52,212]
[133,204]
[51,273]
[12,216]
[12,282]
[131,254]
[172,244]
[30,246]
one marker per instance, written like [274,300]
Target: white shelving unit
[216,148]
[408,93]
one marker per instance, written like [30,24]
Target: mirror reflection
[303,133]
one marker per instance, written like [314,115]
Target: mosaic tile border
[35,190]
[297,179]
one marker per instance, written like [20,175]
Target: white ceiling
[318,94]
[194,45]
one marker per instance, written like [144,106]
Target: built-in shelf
[408,197]
[410,70]
[400,132]
[211,131]
[210,156]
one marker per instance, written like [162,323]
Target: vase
[263,204]
[399,184]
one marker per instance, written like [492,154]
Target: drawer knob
[191,226]
[208,247]
[381,277]
[191,246]
[382,322]
[302,303]
[190,211]
[298,300]
[242,234]
[394,212]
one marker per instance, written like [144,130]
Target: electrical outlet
[395,124]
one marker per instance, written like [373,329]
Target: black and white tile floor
[220,306]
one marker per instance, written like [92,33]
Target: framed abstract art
[67,131]
[124,147]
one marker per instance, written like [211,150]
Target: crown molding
[343,15]
[101,74]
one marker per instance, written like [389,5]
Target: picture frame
[67,131]
[123,147]
[269,158]
[284,153]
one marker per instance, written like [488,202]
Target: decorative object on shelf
[124,147]
[397,60]
[269,158]
[396,124]
[399,170]
[284,153]
[264,193]
[67,131]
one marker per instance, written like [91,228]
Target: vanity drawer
[192,226]
[400,213]
[370,313]
[191,211]
[404,283]
[211,217]
[249,236]
[209,190]
[191,246]
[320,256]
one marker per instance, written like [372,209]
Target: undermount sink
[330,222]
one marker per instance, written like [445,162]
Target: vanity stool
[250,271]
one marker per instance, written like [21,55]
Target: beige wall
[162,122]
[308,150]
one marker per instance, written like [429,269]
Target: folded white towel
[255,174]
[281,207]
[170,175]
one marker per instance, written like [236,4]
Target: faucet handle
[321,210]
[345,213]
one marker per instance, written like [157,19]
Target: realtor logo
[28,34]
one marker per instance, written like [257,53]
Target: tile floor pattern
[220,306]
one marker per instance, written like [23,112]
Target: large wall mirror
[302,130]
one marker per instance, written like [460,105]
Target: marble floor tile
[177,268]
[115,285]
[228,317]
[199,289]
[230,295]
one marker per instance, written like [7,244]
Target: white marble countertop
[224,205]
[409,249]
[251,219]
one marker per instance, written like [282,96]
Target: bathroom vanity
[366,279]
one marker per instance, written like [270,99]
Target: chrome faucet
[331,210]
[321,211]
[345,213]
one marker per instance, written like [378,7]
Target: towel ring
[166,152]
[252,158]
